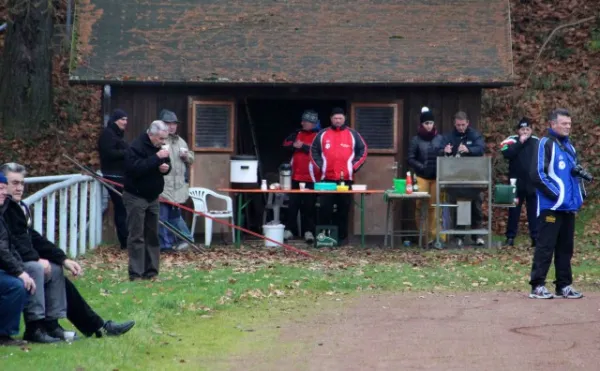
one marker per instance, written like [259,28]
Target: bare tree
[26,73]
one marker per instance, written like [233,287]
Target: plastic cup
[302,186]
[183,151]
[513,181]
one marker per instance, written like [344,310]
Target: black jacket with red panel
[302,168]
[337,150]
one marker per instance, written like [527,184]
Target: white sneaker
[480,242]
[182,246]
[287,235]
[308,237]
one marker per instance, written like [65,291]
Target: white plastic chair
[199,197]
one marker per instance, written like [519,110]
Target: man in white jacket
[176,185]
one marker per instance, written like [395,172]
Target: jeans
[171,214]
[142,243]
[13,297]
[49,300]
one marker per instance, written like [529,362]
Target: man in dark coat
[112,147]
[520,150]
[15,283]
[35,248]
[464,141]
[146,163]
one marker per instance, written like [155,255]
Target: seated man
[37,248]
[14,281]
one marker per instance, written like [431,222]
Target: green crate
[504,194]
[326,236]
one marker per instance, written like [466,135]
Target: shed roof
[294,41]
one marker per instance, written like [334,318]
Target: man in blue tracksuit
[559,183]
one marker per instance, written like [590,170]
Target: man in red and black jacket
[303,171]
[338,152]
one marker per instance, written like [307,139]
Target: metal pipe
[69,11]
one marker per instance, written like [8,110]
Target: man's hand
[163,153]
[448,148]
[523,138]
[73,266]
[46,264]
[463,149]
[163,168]
[298,144]
[28,282]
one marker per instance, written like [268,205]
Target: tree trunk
[26,74]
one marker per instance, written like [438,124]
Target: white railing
[79,211]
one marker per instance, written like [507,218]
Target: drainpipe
[69,11]
[106,103]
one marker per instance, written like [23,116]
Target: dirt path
[494,331]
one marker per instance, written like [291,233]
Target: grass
[204,308]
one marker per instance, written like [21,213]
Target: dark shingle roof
[294,41]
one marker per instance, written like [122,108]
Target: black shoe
[59,333]
[111,328]
[509,242]
[7,341]
[39,336]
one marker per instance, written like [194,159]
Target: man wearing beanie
[520,150]
[112,147]
[422,158]
[338,152]
[303,171]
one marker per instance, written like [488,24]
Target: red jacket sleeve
[316,151]
[360,151]
[289,141]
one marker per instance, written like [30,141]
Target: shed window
[377,123]
[212,125]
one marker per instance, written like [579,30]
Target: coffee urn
[285,176]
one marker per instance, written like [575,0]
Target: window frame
[193,103]
[355,125]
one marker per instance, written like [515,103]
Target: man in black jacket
[464,141]
[520,150]
[36,248]
[15,283]
[145,166]
[112,147]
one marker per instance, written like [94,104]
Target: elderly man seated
[14,281]
[47,261]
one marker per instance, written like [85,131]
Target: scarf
[426,135]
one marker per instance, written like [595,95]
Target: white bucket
[274,232]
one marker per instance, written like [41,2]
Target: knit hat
[117,115]
[524,123]
[426,115]
[310,116]
[337,111]
[3,178]
[168,116]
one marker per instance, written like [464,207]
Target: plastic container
[274,232]
[504,194]
[399,185]
[243,169]
[359,187]
[342,188]
[325,186]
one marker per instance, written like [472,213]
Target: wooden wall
[144,103]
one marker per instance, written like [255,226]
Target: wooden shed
[237,68]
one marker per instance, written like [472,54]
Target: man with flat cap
[520,150]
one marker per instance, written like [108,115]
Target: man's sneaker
[459,242]
[568,293]
[308,237]
[287,235]
[540,292]
[479,242]
[509,242]
[182,246]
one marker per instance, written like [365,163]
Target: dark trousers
[514,215]
[142,243]
[13,297]
[343,202]
[556,232]
[120,212]
[80,313]
[305,203]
